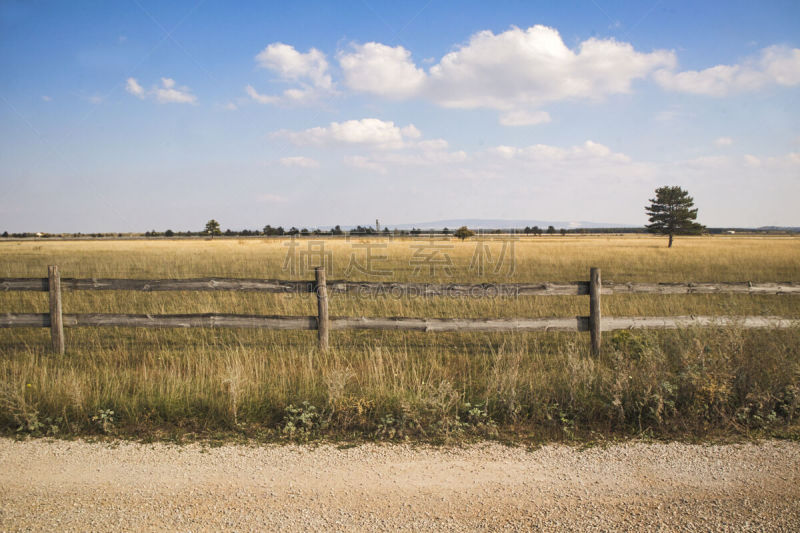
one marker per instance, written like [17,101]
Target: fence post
[56,319]
[322,307]
[595,285]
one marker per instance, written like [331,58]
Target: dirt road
[78,486]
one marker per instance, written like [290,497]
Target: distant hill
[794,229]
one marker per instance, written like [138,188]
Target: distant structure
[377,226]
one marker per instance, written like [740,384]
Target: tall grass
[404,384]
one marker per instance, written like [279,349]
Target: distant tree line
[271,231]
[278,231]
[41,235]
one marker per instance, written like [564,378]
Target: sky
[139,115]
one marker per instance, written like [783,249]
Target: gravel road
[79,486]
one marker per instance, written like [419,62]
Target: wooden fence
[323,323]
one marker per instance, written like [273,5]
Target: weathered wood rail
[594,288]
[216,320]
[575,288]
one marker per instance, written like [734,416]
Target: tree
[463,232]
[551,230]
[212,228]
[671,213]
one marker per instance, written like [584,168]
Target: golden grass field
[404,384]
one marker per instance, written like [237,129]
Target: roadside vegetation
[271,385]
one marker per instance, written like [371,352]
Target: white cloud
[380,69]
[720,170]
[776,65]
[534,66]
[359,161]
[230,106]
[411,132]
[292,65]
[510,177]
[782,65]
[787,162]
[547,153]
[524,118]
[423,153]
[387,145]
[506,152]
[723,141]
[577,162]
[300,95]
[46,98]
[513,71]
[367,131]
[309,70]
[713,81]
[133,87]
[168,93]
[260,98]
[299,161]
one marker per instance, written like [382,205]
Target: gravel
[79,486]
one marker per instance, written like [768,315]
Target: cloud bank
[515,72]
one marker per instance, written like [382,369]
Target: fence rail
[217,320]
[594,288]
[574,288]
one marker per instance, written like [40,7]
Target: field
[394,385]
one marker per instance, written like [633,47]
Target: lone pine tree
[671,213]
[212,228]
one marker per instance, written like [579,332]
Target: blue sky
[137,115]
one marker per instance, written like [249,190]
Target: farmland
[395,385]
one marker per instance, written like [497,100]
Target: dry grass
[390,384]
